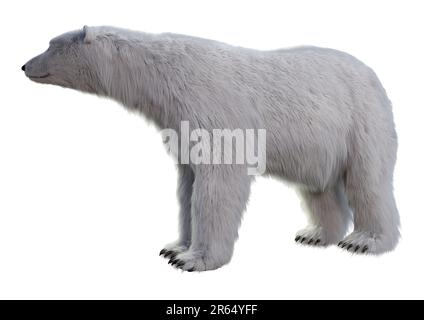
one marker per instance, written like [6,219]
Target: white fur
[328,119]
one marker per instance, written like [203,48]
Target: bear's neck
[143,83]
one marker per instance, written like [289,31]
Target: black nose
[23,68]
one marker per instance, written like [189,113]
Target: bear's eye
[55,43]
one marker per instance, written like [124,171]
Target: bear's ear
[88,34]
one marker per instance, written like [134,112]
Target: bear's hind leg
[376,219]
[329,217]
[185,190]
[369,179]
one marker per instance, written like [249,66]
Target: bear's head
[71,61]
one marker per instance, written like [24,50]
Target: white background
[87,191]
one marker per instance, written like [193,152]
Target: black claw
[310,241]
[340,244]
[303,239]
[162,252]
[171,261]
[297,238]
[175,261]
[349,246]
[168,253]
[172,256]
[180,264]
[190,270]
[344,244]
[365,249]
[356,248]
[318,241]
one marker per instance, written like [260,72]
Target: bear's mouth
[39,77]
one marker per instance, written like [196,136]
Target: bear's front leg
[220,194]
[184,192]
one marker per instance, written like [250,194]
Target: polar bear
[329,125]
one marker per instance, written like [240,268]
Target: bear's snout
[36,69]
